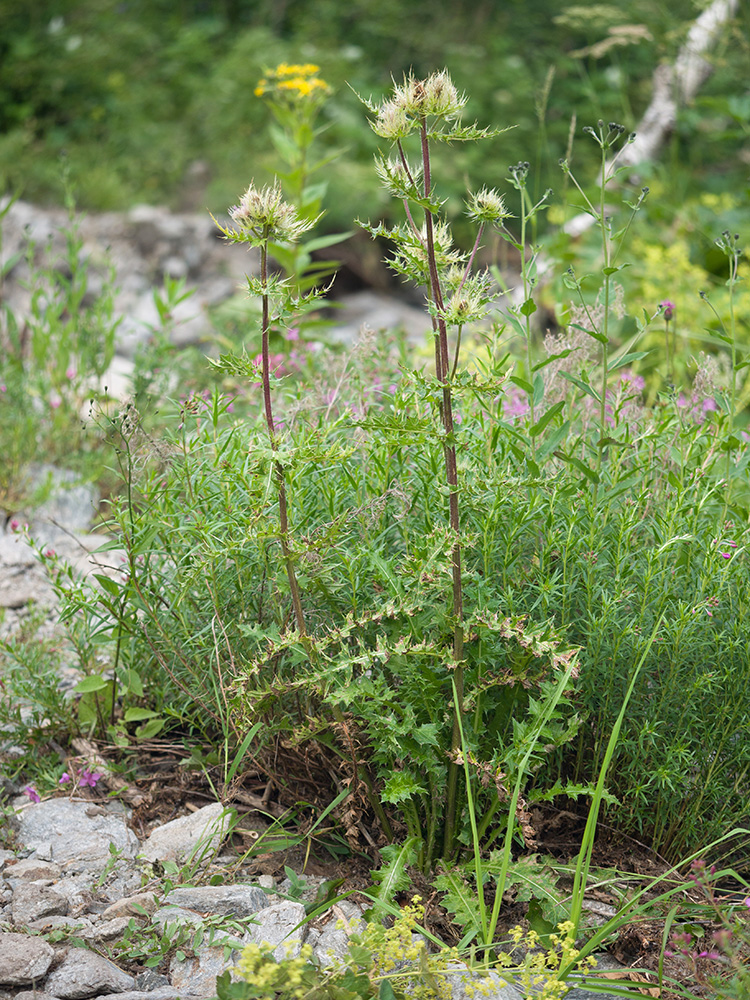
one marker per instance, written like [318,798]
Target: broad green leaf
[90,684]
[139,714]
[108,584]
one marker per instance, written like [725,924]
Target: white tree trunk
[677,85]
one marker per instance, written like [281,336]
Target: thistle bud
[487,206]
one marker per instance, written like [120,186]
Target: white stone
[62,830]
[230,900]
[190,837]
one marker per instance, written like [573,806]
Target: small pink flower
[292,333]
[70,372]
[746,902]
[726,555]
[668,307]
[55,402]
[49,553]
[64,778]
[32,793]
[3,387]
[89,778]
[14,524]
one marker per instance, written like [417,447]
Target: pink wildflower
[32,793]
[14,524]
[668,307]
[64,778]
[89,778]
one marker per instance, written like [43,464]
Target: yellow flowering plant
[295,94]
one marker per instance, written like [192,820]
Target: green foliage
[33,708]
[52,363]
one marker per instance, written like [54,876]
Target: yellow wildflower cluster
[293,80]
[270,978]
[538,974]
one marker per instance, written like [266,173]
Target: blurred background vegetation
[153,100]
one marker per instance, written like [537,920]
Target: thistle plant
[263,217]
[429,111]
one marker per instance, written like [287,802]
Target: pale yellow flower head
[263,214]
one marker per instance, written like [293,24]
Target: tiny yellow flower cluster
[293,80]
[258,966]
[538,974]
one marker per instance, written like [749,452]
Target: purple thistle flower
[668,307]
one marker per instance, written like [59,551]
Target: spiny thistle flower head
[487,206]
[292,81]
[396,177]
[262,214]
[392,121]
[414,100]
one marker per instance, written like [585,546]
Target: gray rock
[33,870]
[375,311]
[198,973]
[85,974]
[150,980]
[329,935]
[62,831]
[69,506]
[73,924]
[161,993]
[176,915]
[467,985]
[130,906]
[232,900]
[190,837]
[15,551]
[277,927]
[32,901]
[23,959]
[106,930]
[35,995]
